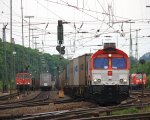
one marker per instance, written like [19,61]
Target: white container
[45,79]
[76,71]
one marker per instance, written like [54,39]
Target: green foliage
[27,59]
[131,110]
[126,111]
[1,84]
[149,81]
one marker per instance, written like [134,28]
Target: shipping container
[70,72]
[83,69]
[76,71]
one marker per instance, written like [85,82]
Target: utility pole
[4,32]
[130,43]
[5,66]
[35,42]
[11,43]
[130,48]
[22,45]
[32,37]
[11,21]
[29,26]
[136,48]
[22,24]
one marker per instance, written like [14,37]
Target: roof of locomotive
[24,73]
[109,50]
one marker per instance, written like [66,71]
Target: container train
[25,81]
[102,76]
[137,80]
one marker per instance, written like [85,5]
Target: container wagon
[45,81]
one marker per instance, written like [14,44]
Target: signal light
[60,49]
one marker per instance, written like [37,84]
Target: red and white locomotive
[137,80]
[109,74]
[23,81]
[102,76]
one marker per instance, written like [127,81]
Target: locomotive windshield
[24,76]
[101,63]
[118,63]
[139,76]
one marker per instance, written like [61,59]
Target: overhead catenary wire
[81,24]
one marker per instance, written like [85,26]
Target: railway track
[42,99]
[88,114]
[139,93]
[139,116]
[5,97]
[145,91]
[38,100]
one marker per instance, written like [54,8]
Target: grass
[126,111]
[131,111]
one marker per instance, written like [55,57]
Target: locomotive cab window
[24,76]
[101,63]
[20,76]
[27,76]
[139,76]
[118,63]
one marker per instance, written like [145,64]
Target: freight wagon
[45,81]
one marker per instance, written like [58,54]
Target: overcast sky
[90,21]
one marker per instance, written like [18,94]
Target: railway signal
[60,38]
[60,35]
[60,49]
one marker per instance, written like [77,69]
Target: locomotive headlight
[95,80]
[28,83]
[99,80]
[121,80]
[109,55]
[125,81]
